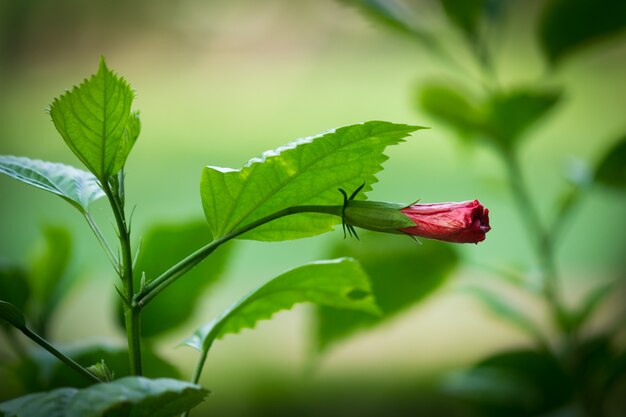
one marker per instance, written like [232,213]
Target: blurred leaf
[340,283]
[465,14]
[12,315]
[14,286]
[503,310]
[611,170]
[453,107]
[569,25]
[402,275]
[76,186]
[520,383]
[130,396]
[590,303]
[96,122]
[162,247]
[510,114]
[307,171]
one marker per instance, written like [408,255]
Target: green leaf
[505,311]
[340,283]
[14,287]
[76,186]
[453,107]
[611,171]
[307,171]
[12,315]
[96,122]
[162,247]
[465,14]
[402,275]
[130,396]
[568,26]
[510,114]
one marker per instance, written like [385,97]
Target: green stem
[65,359]
[103,242]
[125,270]
[168,277]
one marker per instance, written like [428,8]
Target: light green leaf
[96,122]
[611,170]
[12,315]
[76,186]
[568,26]
[130,396]
[162,247]
[402,273]
[340,283]
[307,171]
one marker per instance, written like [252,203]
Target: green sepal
[377,216]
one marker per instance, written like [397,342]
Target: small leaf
[79,188]
[332,283]
[402,275]
[307,171]
[611,170]
[510,114]
[567,26]
[465,14]
[505,311]
[129,396]
[96,122]
[162,247]
[12,315]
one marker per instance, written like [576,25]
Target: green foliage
[465,14]
[129,396]
[14,286]
[611,170]
[78,187]
[162,247]
[401,273]
[96,122]
[340,283]
[567,26]
[307,171]
[12,315]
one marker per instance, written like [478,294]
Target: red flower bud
[465,222]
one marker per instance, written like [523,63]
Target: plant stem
[65,359]
[125,270]
[103,242]
[168,277]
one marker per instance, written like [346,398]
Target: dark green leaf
[611,170]
[340,283]
[12,315]
[504,310]
[14,286]
[464,14]
[569,25]
[129,396]
[307,171]
[162,247]
[521,383]
[402,274]
[76,186]
[453,107]
[96,121]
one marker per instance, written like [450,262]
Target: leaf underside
[307,171]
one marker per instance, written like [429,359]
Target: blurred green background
[219,82]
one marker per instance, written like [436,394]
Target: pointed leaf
[569,25]
[96,122]
[611,170]
[12,315]
[402,275]
[340,283]
[76,186]
[307,171]
[162,247]
[129,396]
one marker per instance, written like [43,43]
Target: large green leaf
[340,283]
[96,121]
[611,170]
[569,25]
[130,396]
[76,186]
[402,274]
[162,247]
[307,171]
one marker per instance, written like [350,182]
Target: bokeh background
[218,82]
